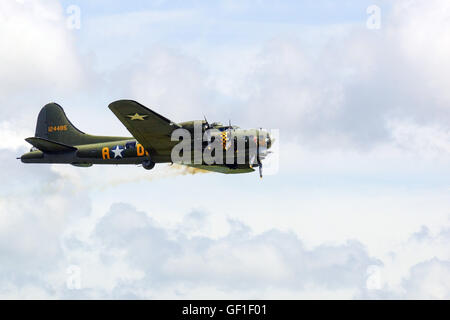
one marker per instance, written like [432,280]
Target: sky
[357,208]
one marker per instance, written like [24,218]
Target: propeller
[207,123]
[228,144]
[258,158]
[206,129]
[263,142]
[260,170]
[252,161]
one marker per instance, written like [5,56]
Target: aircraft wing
[149,128]
[221,169]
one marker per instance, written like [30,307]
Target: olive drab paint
[57,140]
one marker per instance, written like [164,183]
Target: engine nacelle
[148,164]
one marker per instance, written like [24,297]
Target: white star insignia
[117,152]
[137,116]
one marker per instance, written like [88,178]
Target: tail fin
[53,125]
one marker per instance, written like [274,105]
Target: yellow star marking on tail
[137,116]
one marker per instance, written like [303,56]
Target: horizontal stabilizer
[49,146]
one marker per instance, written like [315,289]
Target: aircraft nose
[270,141]
[265,138]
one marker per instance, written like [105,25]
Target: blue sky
[358,208]
[311,12]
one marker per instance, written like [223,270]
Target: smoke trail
[113,176]
[184,170]
[167,171]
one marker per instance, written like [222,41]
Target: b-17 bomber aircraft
[155,139]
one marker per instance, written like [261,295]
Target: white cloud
[181,265]
[432,141]
[128,253]
[383,92]
[341,91]
[429,280]
[346,92]
[12,137]
[37,48]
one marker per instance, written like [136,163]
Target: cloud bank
[359,209]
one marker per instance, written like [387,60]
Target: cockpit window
[130,145]
[224,128]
